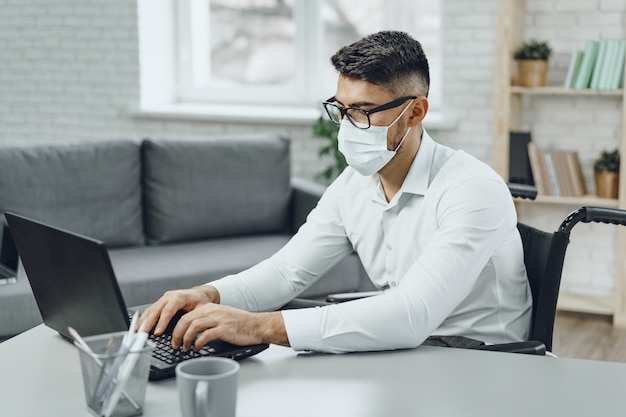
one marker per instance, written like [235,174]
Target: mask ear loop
[407,131]
[403,111]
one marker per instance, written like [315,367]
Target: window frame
[160,98]
[300,93]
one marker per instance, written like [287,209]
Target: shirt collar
[418,177]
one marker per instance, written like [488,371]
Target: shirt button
[388,247]
[393,285]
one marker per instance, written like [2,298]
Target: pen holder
[115,381]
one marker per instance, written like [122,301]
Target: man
[434,228]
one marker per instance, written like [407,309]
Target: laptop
[74,285]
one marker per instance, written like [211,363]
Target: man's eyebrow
[358,104]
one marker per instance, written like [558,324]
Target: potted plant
[606,174]
[532,63]
[325,129]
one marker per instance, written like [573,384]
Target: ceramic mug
[207,387]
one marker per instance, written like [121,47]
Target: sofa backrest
[214,187]
[91,188]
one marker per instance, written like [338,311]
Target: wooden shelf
[508,107]
[585,200]
[561,91]
[585,303]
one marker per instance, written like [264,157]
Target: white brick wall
[587,124]
[69,70]
[468,39]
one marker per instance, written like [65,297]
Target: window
[277,52]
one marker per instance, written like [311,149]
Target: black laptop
[74,285]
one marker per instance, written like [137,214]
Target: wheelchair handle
[523,190]
[595,215]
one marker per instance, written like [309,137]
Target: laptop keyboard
[163,350]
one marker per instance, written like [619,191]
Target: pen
[83,344]
[130,359]
[105,386]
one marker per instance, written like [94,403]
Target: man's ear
[418,111]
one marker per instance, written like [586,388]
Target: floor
[588,336]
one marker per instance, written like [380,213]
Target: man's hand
[213,321]
[159,314]
[206,320]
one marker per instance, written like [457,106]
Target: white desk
[40,375]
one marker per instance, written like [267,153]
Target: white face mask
[366,150]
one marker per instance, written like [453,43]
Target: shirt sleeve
[470,230]
[317,246]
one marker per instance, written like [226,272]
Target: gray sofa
[173,213]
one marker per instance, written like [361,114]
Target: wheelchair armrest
[303,303]
[349,296]
[330,299]
[523,191]
[532,347]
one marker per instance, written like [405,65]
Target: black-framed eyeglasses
[358,117]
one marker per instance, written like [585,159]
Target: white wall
[587,124]
[69,71]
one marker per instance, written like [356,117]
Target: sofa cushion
[146,272]
[19,308]
[91,188]
[214,187]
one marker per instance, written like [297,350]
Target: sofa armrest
[8,251]
[305,195]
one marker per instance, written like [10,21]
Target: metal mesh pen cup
[101,370]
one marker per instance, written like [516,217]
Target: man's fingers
[195,327]
[149,317]
[189,327]
[181,329]
[165,316]
[205,337]
[159,315]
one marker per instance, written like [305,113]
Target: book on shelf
[562,173]
[608,65]
[535,166]
[587,65]
[600,66]
[573,69]
[616,72]
[622,65]
[556,172]
[519,164]
[576,173]
[555,185]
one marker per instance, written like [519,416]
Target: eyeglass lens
[353,115]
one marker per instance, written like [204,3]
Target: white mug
[207,387]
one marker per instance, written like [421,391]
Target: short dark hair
[392,60]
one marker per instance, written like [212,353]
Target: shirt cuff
[303,328]
[229,293]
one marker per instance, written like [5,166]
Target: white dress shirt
[445,249]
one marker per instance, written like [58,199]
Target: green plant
[327,130]
[607,161]
[533,50]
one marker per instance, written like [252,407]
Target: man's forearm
[271,328]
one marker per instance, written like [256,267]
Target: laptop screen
[71,277]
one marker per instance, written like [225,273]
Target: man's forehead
[352,92]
